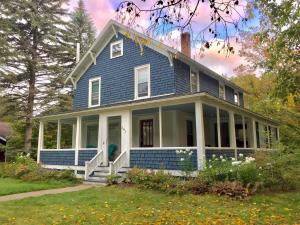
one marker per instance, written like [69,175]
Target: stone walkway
[44,192]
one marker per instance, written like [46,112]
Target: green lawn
[12,186]
[116,205]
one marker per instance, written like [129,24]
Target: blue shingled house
[137,101]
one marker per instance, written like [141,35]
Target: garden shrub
[232,189]
[27,169]
[113,179]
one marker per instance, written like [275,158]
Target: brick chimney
[186,44]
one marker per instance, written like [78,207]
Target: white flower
[235,163]
[177,151]
[213,155]
[230,171]
[190,153]
[182,159]
[260,168]
[210,166]
[241,155]
[223,160]
[221,157]
[233,159]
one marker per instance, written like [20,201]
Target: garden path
[44,192]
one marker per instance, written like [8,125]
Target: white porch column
[200,135]
[244,131]
[160,127]
[232,132]
[40,141]
[125,135]
[78,139]
[218,127]
[103,136]
[58,134]
[99,134]
[254,139]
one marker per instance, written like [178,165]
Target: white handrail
[91,165]
[118,163]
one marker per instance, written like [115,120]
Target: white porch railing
[120,161]
[93,164]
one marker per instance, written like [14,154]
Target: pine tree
[81,29]
[33,68]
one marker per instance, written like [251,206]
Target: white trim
[62,167]
[90,91]
[160,126]
[58,138]
[116,43]
[162,148]
[2,138]
[136,94]
[40,140]
[78,138]
[93,57]
[200,134]
[115,31]
[198,80]
[55,150]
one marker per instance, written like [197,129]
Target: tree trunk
[31,93]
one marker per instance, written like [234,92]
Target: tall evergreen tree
[33,69]
[81,29]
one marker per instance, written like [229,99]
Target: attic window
[116,49]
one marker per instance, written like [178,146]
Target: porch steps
[101,173]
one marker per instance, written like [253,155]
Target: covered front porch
[148,135]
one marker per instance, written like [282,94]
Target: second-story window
[116,49]
[94,91]
[236,98]
[222,91]
[142,81]
[194,81]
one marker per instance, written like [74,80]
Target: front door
[114,137]
[146,133]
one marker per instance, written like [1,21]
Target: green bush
[279,170]
[27,169]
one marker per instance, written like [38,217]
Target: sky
[101,11]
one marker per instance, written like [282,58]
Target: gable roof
[112,28]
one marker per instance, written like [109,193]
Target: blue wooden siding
[182,77]
[159,159]
[229,94]
[209,85]
[85,155]
[60,157]
[117,75]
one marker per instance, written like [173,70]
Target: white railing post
[93,164]
[254,138]
[200,135]
[40,141]
[160,126]
[58,134]
[218,127]
[78,139]
[232,132]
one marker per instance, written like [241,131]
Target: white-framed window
[194,81]
[94,91]
[222,91]
[142,81]
[236,98]
[116,49]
